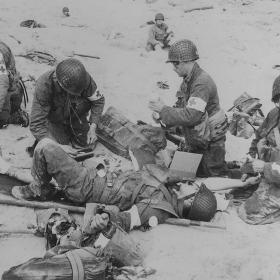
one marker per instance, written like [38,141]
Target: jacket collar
[194,73]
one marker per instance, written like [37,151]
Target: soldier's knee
[46,144]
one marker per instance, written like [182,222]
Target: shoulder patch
[196,103]
[3,69]
[95,96]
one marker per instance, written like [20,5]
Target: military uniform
[144,188]
[157,34]
[63,116]
[11,93]
[263,207]
[265,144]
[204,123]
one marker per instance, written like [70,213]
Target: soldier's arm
[98,102]
[151,36]
[192,113]
[259,134]
[4,82]
[219,184]
[40,109]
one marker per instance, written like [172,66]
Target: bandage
[134,217]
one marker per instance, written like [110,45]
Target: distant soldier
[197,110]
[11,90]
[66,12]
[62,101]
[158,34]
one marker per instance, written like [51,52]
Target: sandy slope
[238,45]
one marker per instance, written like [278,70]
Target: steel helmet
[276,89]
[65,11]
[182,51]
[203,207]
[159,16]
[72,76]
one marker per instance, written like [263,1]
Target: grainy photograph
[139,140]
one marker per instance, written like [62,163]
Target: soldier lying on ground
[138,194]
[11,91]
[62,100]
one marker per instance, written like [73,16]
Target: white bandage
[96,95]
[197,103]
[134,217]
[3,69]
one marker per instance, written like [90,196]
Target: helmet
[183,50]
[276,89]
[65,11]
[159,16]
[72,76]
[203,206]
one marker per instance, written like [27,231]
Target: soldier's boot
[34,191]
[19,117]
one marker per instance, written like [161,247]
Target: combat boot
[27,192]
[36,191]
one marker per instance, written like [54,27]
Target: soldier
[158,34]
[138,194]
[62,100]
[11,91]
[266,144]
[197,110]
[263,207]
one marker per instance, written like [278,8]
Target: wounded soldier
[140,195]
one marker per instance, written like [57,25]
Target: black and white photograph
[139,140]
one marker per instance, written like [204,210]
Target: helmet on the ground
[182,51]
[159,16]
[276,90]
[72,76]
[203,206]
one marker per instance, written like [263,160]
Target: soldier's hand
[252,180]
[91,136]
[185,189]
[158,46]
[156,117]
[156,105]
[99,221]
[69,150]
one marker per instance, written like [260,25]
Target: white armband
[196,103]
